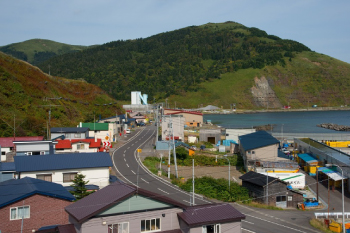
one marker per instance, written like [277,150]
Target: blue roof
[62,161]
[307,158]
[10,166]
[15,190]
[257,140]
[69,129]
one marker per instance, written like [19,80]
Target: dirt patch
[200,171]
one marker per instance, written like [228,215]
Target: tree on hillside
[80,190]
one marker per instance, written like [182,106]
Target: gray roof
[257,140]
[257,178]
[62,161]
[69,129]
[108,197]
[14,190]
[209,214]
[9,166]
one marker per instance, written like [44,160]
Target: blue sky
[323,26]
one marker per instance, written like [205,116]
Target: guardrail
[333,214]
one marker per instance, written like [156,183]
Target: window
[281,198]
[3,153]
[29,153]
[215,228]
[77,135]
[119,228]
[46,177]
[42,152]
[19,212]
[80,146]
[150,225]
[68,177]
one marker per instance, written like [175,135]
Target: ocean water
[288,121]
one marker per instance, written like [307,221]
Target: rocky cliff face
[263,94]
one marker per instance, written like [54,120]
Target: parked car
[285,150]
[127,131]
[193,147]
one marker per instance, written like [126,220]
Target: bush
[217,188]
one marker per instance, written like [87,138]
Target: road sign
[139,150]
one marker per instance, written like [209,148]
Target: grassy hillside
[38,50]
[309,78]
[27,94]
[216,64]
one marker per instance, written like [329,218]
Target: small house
[70,132]
[6,144]
[62,168]
[270,190]
[30,203]
[120,207]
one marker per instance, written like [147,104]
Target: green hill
[38,50]
[27,94]
[218,64]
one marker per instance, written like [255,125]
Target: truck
[296,180]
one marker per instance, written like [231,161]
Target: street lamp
[342,190]
[229,171]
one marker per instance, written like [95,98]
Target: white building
[62,168]
[175,123]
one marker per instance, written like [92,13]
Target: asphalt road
[128,168]
[125,160]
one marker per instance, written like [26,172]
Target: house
[107,132]
[192,118]
[70,132]
[27,148]
[124,208]
[62,168]
[79,146]
[7,171]
[38,202]
[138,116]
[258,146]
[266,189]
[173,124]
[6,144]
[210,135]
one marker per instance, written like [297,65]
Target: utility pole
[193,182]
[267,188]
[156,124]
[174,151]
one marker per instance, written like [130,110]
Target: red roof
[8,141]
[67,144]
[184,111]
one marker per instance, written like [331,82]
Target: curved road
[128,168]
[125,160]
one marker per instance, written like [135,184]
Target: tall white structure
[137,98]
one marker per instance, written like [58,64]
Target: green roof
[96,126]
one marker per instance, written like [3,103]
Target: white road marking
[247,230]
[247,222]
[124,155]
[163,191]
[127,165]
[124,151]
[132,144]
[275,223]
[124,159]
[129,147]
[145,180]
[132,171]
[187,201]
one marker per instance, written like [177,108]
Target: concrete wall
[96,176]
[44,211]
[178,127]
[233,134]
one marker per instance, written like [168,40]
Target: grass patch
[320,225]
[263,206]
[152,163]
